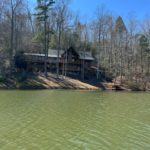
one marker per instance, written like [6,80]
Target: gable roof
[52,53]
[82,55]
[85,55]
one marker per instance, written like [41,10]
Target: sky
[87,8]
[119,7]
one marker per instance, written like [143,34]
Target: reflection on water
[74,120]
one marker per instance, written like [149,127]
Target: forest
[121,47]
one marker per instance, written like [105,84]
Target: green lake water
[74,120]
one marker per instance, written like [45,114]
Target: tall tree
[14,4]
[121,37]
[42,15]
[144,46]
[100,27]
[62,24]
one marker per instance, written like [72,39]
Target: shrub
[2,78]
[134,86]
[20,60]
[21,76]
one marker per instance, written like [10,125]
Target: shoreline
[40,82]
[74,89]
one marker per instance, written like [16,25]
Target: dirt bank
[51,82]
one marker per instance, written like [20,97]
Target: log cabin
[71,61]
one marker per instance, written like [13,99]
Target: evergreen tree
[120,26]
[144,42]
[144,46]
[42,16]
[121,34]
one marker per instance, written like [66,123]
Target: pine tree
[121,34]
[42,15]
[144,44]
[120,26]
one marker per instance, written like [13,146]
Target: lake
[74,120]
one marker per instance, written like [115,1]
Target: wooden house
[73,61]
[70,61]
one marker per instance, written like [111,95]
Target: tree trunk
[58,51]
[45,46]
[12,40]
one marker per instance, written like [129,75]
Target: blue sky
[119,7]
[140,8]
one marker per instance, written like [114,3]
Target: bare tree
[62,14]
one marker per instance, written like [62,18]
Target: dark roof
[53,54]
